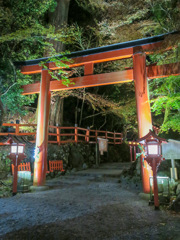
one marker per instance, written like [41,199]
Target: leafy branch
[60,74]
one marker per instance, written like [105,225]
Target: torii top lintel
[100,54]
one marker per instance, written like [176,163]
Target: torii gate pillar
[40,165]
[143,110]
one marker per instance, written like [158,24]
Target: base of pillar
[38,188]
[156,208]
[144,196]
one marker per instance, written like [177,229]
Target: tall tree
[59,19]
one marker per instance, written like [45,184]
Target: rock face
[76,158]
[73,155]
[178,189]
[82,156]
[118,153]
[5,162]
[176,203]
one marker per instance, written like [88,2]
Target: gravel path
[84,208]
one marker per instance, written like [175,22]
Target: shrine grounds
[85,208]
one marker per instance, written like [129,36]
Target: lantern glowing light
[152,149]
[17,148]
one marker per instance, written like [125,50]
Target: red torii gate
[136,49]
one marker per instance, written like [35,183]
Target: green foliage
[22,14]
[39,34]
[59,74]
[165,94]
[113,19]
[94,7]
[166,13]
[24,35]
[86,38]
[171,56]
[12,98]
[4,162]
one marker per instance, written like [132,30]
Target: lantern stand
[16,156]
[152,154]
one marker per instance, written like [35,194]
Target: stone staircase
[112,170]
[105,172]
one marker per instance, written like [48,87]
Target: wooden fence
[62,135]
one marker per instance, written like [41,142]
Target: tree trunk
[56,113]
[58,18]
[1,113]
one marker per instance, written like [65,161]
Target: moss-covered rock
[5,162]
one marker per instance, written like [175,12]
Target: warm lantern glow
[20,149]
[16,149]
[153,149]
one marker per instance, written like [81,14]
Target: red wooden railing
[55,165]
[62,135]
[22,167]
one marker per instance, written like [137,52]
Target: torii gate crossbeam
[105,78]
[139,74]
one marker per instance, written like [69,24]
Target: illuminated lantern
[16,155]
[17,148]
[152,154]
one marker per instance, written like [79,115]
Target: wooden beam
[106,78]
[165,70]
[31,88]
[32,69]
[82,82]
[94,80]
[96,58]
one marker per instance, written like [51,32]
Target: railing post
[35,137]
[114,138]
[131,153]
[35,134]
[96,135]
[134,153]
[58,134]
[17,129]
[87,134]
[106,135]
[76,133]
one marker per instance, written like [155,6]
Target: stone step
[121,165]
[106,172]
[99,173]
[112,170]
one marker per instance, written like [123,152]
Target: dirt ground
[85,208]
